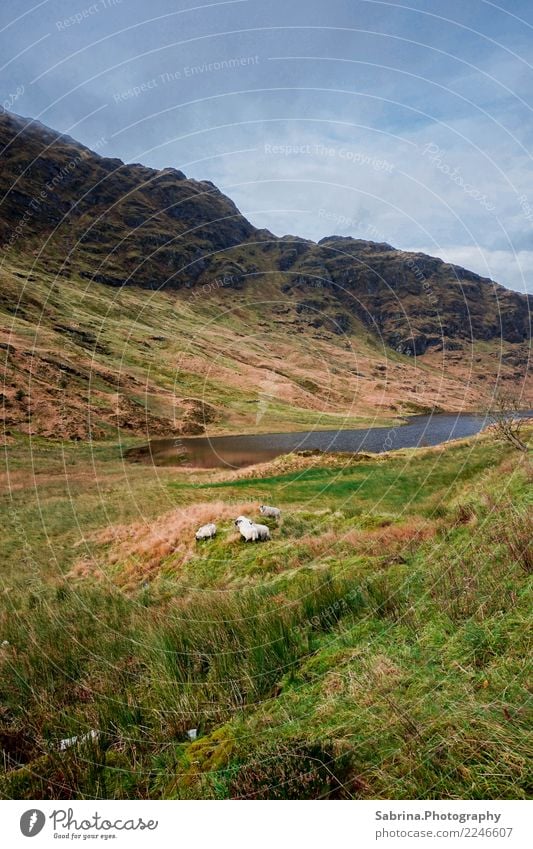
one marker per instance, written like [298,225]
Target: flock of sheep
[250,531]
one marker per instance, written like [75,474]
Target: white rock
[72,741]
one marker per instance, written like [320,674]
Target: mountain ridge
[80,231]
[160,229]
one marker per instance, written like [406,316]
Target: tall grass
[384,658]
[516,531]
[219,655]
[93,659]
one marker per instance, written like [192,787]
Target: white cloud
[431,189]
[513,270]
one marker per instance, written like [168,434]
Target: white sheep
[206,531]
[251,531]
[272,512]
[263,532]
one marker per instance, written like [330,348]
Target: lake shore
[237,451]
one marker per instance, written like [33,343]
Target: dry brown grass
[408,534]
[390,540]
[140,549]
[517,534]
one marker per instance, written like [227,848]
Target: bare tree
[504,413]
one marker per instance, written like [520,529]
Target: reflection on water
[202,452]
[238,451]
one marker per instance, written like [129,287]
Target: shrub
[517,534]
[297,771]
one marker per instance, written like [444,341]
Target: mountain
[361,327]
[115,223]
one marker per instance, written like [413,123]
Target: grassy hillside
[86,361]
[144,301]
[376,648]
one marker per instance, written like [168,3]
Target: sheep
[251,531]
[206,531]
[246,528]
[272,512]
[263,532]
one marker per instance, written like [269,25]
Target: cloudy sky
[407,122]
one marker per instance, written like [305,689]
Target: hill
[376,648]
[337,331]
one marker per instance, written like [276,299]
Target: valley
[377,646]
[140,302]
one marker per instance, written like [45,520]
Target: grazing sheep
[272,512]
[246,528]
[206,531]
[250,531]
[263,532]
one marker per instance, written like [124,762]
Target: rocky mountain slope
[362,327]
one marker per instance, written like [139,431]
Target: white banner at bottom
[272,825]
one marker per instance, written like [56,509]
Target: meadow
[376,648]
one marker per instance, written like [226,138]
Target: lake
[245,450]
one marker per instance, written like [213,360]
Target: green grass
[376,648]
[404,483]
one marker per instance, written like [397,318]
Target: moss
[209,754]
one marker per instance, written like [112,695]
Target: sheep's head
[242,519]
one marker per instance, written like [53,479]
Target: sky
[404,122]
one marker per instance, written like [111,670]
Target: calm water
[238,451]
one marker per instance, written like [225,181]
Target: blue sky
[406,122]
